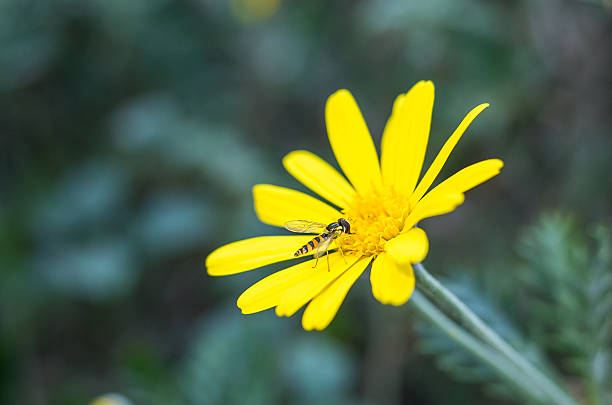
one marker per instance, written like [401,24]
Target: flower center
[375,218]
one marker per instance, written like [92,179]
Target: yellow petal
[351,141]
[252,253]
[319,176]
[278,205]
[469,177]
[445,152]
[297,296]
[408,247]
[391,283]
[268,292]
[405,137]
[433,205]
[323,308]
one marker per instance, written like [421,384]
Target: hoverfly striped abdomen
[314,242]
[319,245]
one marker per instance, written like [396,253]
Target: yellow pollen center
[375,218]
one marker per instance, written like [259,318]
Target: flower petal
[268,292]
[432,205]
[323,308]
[405,137]
[277,205]
[469,177]
[351,141]
[319,176]
[297,296]
[445,152]
[392,283]
[252,253]
[408,247]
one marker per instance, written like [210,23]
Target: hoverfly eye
[346,227]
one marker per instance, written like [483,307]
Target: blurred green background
[131,133]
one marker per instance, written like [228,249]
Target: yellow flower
[383,202]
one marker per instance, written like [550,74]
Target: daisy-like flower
[383,201]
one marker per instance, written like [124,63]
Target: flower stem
[458,310]
[480,350]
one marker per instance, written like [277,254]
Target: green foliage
[459,363]
[131,132]
[563,304]
[567,297]
[261,360]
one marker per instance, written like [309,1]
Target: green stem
[458,310]
[481,351]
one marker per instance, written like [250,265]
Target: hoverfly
[327,234]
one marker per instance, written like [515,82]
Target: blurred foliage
[568,298]
[461,364]
[565,309]
[262,361]
[132,131]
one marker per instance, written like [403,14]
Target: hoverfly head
[346,226]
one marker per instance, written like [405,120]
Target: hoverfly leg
[327,255]
[342,254]
[316,261]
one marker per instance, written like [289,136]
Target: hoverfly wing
[302,226]
[323,246]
